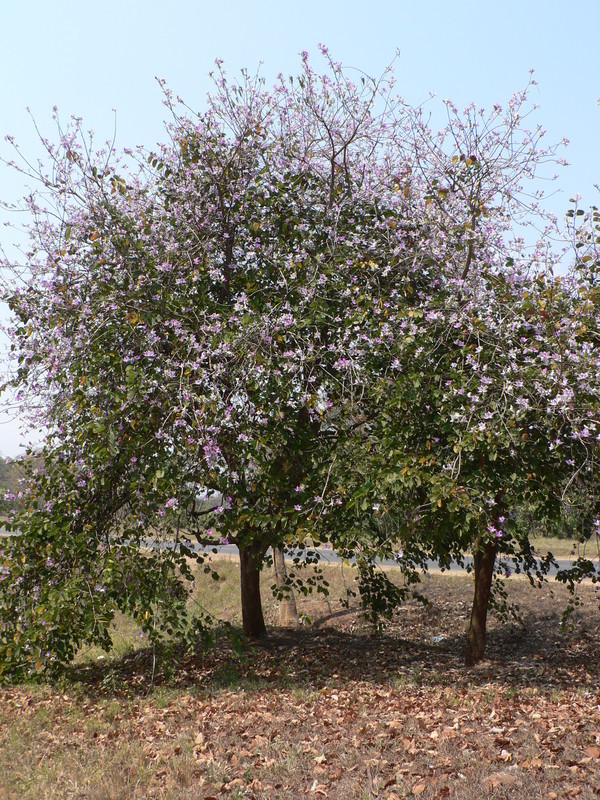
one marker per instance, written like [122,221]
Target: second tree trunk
[484,559]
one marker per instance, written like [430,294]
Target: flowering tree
[305,306]
[505,421]
[491,400]
[488,399]
[196,324]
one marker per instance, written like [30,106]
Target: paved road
[331,557]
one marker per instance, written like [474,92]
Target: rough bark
[288,613]
[483,562]
[253,622]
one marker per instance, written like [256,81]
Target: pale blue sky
[91,58]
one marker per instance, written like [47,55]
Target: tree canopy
[309,307]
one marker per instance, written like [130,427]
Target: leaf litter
[328,711]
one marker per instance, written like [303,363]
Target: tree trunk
[484,558]
[253,622]
[288,613]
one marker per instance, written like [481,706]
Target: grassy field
[565,548]
[328,710]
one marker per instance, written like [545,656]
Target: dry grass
[329,710]
[566,548]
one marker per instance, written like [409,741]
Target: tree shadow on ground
[534,653]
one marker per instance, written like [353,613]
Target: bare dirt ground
[330,711]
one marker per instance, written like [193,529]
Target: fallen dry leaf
[531,763]
[232,784]
[501,779]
